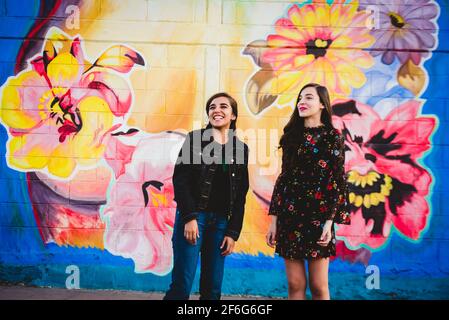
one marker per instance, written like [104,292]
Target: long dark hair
[233,104]
[294,129]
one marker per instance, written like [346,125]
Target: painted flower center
[318,47]
[396,20]
[66,117]
[158,198]
[370,189]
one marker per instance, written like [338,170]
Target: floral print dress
[309,193]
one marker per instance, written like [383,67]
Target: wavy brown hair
[294,129]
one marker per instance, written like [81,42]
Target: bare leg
[297,280]
[318,277]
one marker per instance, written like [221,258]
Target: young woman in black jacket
[210,183]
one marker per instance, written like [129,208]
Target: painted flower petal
[97,118]
[56,42]
[21,97]
[113,88]
[388,56]
[322,14]
[77,51]
[358,233]
[34,158]
[38,65]
[425,38]
[428,11]
[64,71]
[295,15]
[288,80]
[61,162]
[118,155]
[412,216]
[403,126]
[287,29]
[119,58]
[383,40]
[278,41]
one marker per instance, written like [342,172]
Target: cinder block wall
[96,97]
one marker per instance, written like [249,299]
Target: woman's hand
[228,245]
[271,235]
[191,231]
[326,236]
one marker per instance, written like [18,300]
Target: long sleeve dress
[310,192]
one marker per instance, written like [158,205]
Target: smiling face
[220,113]
[309,104]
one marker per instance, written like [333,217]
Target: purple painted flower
[406,28]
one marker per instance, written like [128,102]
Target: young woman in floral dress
[310,194]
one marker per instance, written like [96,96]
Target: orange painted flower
[319,43]
[60,110]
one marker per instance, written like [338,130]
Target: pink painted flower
[322,43]
[60,111]
[361,255]
[388,187]
[140,212]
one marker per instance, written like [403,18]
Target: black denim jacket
[194,173]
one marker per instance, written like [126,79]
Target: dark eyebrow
[221,104]
[307,95]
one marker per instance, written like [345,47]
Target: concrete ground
[15,292]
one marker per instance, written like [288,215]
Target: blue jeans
[211,227]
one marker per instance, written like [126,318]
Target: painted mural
[97,96]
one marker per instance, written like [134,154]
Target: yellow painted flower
[319,43]
[60,110]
